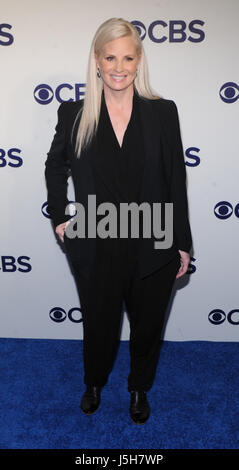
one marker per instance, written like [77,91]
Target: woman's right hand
[60,230]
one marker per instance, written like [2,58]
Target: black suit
[126,269]
[164,180]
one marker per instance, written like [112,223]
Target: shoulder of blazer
[168,113]
[67,113]
[165,114]
[70,108]
[163,107]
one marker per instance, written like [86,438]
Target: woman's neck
[118,99]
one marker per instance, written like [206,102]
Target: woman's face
[118,61]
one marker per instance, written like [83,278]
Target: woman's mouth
[118,78]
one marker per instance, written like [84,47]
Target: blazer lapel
[150,135]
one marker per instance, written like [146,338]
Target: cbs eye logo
[229,92]
[218,316]
[224,210]
[191,267]
[58,315]
[45,209]
[140,28]
[44,94]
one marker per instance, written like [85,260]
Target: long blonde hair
[111,29]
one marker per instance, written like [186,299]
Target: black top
[118,170]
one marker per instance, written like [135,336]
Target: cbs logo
[194,160]
[218,316]
[224,210]
[58,315]
[9,264]
[45,209]
[8,38]
[176,30]
[229,92]
[44,94]
[10,157]
[191,267]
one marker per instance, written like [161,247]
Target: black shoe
[139,407]
[91,399]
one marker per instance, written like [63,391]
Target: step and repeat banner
[192,51]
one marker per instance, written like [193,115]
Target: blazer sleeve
[182,230]
[57,171]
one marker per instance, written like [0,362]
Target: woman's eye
[110,58]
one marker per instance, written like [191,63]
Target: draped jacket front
[164,180]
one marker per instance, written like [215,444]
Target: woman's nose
[119,67]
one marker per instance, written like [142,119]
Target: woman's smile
[118,78]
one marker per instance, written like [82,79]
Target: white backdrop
[47,43]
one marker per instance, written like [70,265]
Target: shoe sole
[89,412]
[138,423]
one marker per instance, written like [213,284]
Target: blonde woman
[121,144]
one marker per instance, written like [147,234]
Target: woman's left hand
[185,259]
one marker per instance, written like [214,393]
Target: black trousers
[114,279]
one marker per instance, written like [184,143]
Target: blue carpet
[194,400]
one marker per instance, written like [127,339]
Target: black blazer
[164,180]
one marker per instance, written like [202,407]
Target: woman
[122,144]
